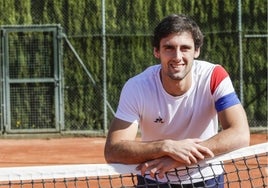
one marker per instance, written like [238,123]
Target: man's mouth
[177,66]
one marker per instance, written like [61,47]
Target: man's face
[176,53]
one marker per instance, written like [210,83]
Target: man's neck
[176,87]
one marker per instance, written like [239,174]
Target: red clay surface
[82,150]
[29,152]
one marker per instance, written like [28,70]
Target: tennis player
[177,105]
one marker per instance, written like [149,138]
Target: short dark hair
[176,24]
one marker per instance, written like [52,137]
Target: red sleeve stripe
[218,75]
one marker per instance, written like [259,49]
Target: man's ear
[156,53]
[197,53]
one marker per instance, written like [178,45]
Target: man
[176,105]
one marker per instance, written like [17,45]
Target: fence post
[104,68]
[240,30]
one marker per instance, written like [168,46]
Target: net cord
[93,170]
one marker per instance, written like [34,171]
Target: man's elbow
[245,141]
[108,155]
[108,159]
[245,138]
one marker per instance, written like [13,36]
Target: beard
[179,74]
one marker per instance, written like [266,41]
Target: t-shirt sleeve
[222,89]
[128,107]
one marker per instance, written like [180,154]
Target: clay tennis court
[53,151]
[44,151]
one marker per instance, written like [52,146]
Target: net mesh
[246,167]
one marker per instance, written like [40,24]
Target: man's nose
[177,54]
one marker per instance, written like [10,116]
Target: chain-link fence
[106,42]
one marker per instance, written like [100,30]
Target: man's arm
[122,147]
[235,133]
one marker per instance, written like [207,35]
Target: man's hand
[187,151]
[178,153]
[158,166]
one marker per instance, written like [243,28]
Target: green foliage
[129,25]
[7,12]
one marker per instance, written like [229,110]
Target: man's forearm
[186,151]
[226,141]
[133,152]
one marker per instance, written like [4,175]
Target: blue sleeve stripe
[226,101]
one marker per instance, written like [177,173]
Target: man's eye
[185,48]
[168,48]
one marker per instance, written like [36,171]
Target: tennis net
[246,167]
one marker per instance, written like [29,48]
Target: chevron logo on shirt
[159,120]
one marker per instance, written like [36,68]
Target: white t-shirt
[144,101]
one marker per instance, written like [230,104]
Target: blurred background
[64,62]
